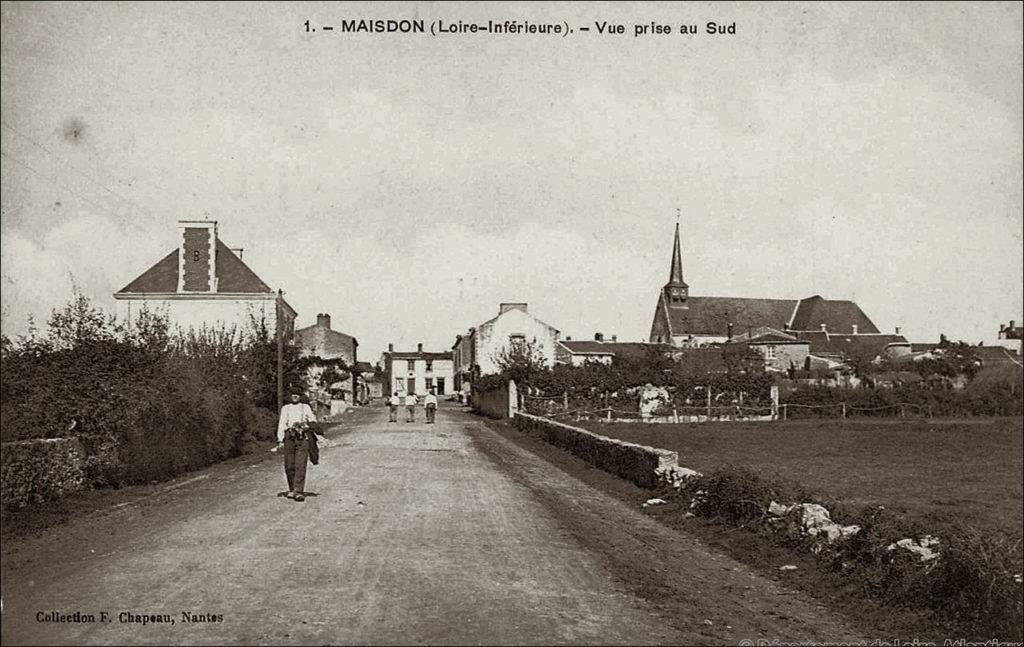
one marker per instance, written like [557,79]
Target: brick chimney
[391,348]
[855,329]
[897,330]
[323,321]
[505,307]
[197,256]
[824,328]
[615,338]
[419,348]
[598,336]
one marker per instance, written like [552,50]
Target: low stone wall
[33,471]
[630,461]
[495,403]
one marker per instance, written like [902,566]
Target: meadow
[963,471]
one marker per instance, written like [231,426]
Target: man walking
[430,405]
[410,406]
[292,430]
[393,404]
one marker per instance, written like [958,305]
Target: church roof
[675,278]
[233,276]
[712,315]
[838,316]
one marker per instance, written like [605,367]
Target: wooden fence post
[709,404]
[565,400]
[785,411]
[844,409]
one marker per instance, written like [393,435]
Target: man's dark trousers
[296,453]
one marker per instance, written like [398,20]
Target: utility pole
[280,349]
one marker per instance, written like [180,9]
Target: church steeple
[676,290]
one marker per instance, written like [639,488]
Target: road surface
[416,534]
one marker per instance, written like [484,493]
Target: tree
[520,360]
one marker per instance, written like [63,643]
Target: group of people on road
[411,400]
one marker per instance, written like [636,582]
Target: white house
[204,283]
[417,372]
[477,351]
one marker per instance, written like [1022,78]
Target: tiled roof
[866,347]
[416,355]
[995,355]
[766,335]
[616,348]
[838,316]
[712,315]
[233,276]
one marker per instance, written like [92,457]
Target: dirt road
[418,533]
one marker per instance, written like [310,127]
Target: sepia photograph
[512,323]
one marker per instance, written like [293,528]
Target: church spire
[676,274]
[676,290]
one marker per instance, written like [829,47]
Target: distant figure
[430,404]
[393,402]
[410,406]
[292,437]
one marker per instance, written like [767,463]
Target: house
[860,349]
[781,351]
[203,283]
[682,319]
[417,372]
[330,347]
[477,352]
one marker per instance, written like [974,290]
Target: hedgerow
[144,402]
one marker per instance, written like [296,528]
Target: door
[440,386]
[410,385]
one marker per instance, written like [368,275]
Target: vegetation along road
[446,533]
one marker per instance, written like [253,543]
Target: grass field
[969,471]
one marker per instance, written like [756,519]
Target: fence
[789,411]
[558,407]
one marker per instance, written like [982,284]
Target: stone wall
[630,461]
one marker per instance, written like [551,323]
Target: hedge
[34,471]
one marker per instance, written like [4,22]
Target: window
[517,339]
[769,352]
[430,383]
[411,365]
[430,365]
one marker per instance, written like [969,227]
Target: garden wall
[496,403]
[635,463]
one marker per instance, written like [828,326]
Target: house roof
[995,355]
[838,316]
[866,347]
[418,355]
[766,335]
[619,349]
[233,276]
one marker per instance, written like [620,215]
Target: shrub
[38,470]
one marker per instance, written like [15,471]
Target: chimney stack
[897,330]
[323,321]
[855,329]
[505,307]
[615,338]
[1013,324]
[728,330]
[391,348]
[1002,327]
[197,256]
[598,336]
[419,348]
[824,328]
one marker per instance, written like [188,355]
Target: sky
[408,184]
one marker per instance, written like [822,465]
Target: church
[693,321]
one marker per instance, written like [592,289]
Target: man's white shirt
[293,414]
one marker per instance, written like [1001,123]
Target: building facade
[418,371]
[477,352]
[203,283]
[331,346]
